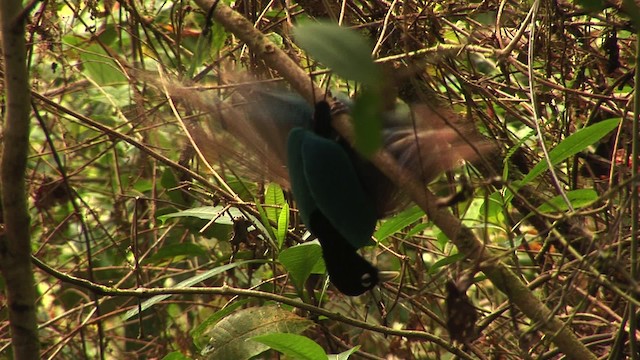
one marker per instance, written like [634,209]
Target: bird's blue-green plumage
[332,201]
[324,179]
[321,170]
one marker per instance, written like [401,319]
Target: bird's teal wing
[324,179]
[295,164]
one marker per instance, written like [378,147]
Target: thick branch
[15,248]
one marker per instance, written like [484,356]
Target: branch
[144,293]
[15,246]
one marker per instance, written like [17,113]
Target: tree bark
[15,247]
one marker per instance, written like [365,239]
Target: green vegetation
[156,234]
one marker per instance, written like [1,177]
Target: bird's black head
[348,271]
[322,119]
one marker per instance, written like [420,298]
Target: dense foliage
[120,197]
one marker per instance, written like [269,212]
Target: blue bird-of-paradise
[339,194]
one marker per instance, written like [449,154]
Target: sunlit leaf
[186,283]
[274,199]
[301,261]
[579,199]
[399,222]
[221,214]
[100,67]
[293,345]
[572,145]
[230,337]
[283,225]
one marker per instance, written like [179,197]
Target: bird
[332,201]
[339,193]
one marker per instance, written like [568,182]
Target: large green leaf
[345,51]
[100,67]
[231,337]
[274,198]
[283,225]
[186,283]
[399,222]
[301,261]
[222,214]
[367,121]
[293,346]
[572,145]
[579,199]
[197,333]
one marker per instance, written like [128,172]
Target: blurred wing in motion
[272,133]
[247,131]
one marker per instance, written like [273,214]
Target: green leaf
[274,197]
[399,222]
[591,5]
[209,42]
[417,229]
[579,199]
[343,50]
[186,283]
[293,345]
[222,214]
[176,250]
[100,67]
[572,145]
[301,261]
[265,221]
[283,225]
[445,261]
[175,356]
[169,181]
[497,206]
[143,185]
[441,237]
[197,333]
[367,121]
[345,354]
[511,151]
[230,337]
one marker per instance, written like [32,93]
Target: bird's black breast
[348,271]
